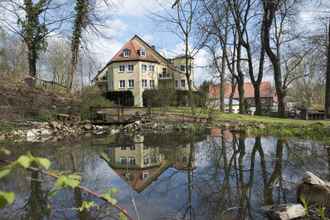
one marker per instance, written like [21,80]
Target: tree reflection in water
[174,176]
[36,207]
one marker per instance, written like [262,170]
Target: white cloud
[201,70]
[104,47]
[139,7]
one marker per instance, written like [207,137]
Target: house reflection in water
[139,164]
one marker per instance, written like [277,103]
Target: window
[144,68]
[154,159]
[183,68]
[121,68]
[176,83]
[126,52]
[183,83]
[123,160]
[146,160]
[122,148]
[145,147]
[131,161]
[152,83]
[145,175]
[130,67]
[131,83]
[132,147]
[142,52]
[164,72]
[151,68]
[122,84]
[144,83]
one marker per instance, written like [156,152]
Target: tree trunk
[270,9]
[223,66]
[222,82]
[240,78]
[327,92]
[32,62]
[257,100]
[188,74]
[232,93]
[241,96]
[80,22]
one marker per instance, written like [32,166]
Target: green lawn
[223,117]
[281,127]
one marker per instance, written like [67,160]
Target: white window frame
[152,83]
[144,83]
[122,65]
[145,174]
[146,160]
[120,84]
[143,52]
[183,85]
[123,160]
[128,68]
[151,68]
[182,68]
[130,161]
[126,53]
[146,68]
[130,84]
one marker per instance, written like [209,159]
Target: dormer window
[126,52]
[142,52]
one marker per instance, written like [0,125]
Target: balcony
[164,76]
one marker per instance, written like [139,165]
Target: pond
[218,175]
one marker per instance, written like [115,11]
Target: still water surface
[219,175]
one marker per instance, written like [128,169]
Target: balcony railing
[164,76]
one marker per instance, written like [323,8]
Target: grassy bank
[263,125]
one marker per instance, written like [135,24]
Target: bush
[158,98]
[168,97]
[92,96]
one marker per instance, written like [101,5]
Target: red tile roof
[134,46]
[266,90]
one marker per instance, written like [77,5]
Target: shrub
[92,96]
[168,97]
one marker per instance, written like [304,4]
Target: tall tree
[34,23]
[81,21]
[276,32]
[181,20]
[327,92]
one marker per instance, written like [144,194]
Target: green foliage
[170,97]
[70,181]
[4,172]
[321,212]
[87,205]
[4,151]
[92,96]
[27,160]
[6,198]
[66,181]
[305,204]
[109,195]
[122,216]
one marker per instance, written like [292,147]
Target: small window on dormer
[142,52]
[126,52]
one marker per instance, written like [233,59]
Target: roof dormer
[142,52]
[126,52]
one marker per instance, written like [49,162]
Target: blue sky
[130,17]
